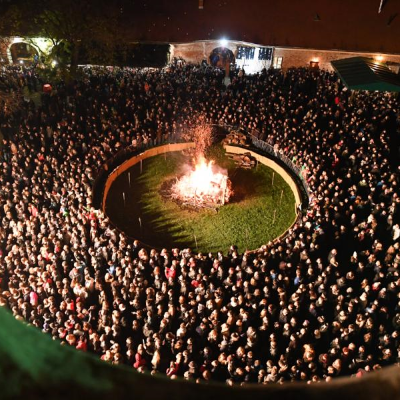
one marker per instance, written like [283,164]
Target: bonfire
[204,185]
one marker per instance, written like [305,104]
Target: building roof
[360,73]
[325,24]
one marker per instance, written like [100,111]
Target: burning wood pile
[236,138]
[245,160]
[204,185]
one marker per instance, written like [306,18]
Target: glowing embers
[204,186]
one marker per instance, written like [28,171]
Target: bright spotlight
[223,42]
[21,61]
[379,58]
[53,63]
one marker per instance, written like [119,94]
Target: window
[277,63]
[245,53]
[265,53]
[250,53]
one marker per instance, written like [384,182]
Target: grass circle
[261,209]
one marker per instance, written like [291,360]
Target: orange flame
[203,184]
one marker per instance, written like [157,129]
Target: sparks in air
[204,184]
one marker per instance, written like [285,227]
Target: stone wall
[291,57]
[195,52]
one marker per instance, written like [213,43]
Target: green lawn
[246,221]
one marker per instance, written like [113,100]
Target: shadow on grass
[143,217]
[246,184]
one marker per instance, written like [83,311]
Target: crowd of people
[321,302]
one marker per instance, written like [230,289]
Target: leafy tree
[76,27]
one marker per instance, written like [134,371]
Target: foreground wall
[33,366]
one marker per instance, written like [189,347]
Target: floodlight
[223,42]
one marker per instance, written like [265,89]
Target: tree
[75,27]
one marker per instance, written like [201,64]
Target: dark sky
[324,24]
[342,24]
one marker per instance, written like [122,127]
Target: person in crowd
[322,301]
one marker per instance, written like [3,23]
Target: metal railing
[130,151]
[275,153]
[266,147]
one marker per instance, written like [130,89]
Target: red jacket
[170,273]
[82,345]
[139,361]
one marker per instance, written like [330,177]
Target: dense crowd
[323,301]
